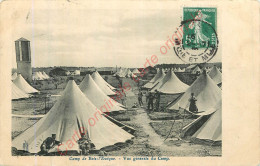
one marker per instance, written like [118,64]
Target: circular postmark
[197,42]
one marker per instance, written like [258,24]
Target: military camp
[166,109]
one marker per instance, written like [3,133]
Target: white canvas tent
[41,75]
[121,73]
[195,70]
[72,113]
[75,73]
[18,93]
[97,96]
[207,127]
[206,92]
[67,73]
[216,75]
[103,85]
[130,74]
[181,70]
[45,75]
[97,76]
[135,71]
[37,76]
[171,84]
[14,76]
[158,75]
[189,68]
[124,73]
[21,83]
[134,75]
[158,80]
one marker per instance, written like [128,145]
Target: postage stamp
[199,41]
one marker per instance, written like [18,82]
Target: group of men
[150,100]
[49,143]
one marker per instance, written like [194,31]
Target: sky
[71,33]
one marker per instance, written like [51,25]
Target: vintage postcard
[129,82]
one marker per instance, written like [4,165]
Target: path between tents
[143,120]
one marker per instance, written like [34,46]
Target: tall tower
[23,58]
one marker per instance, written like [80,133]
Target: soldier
[147,96]
[157,100]
[84,144]
[48,144]
[140,96]
[150,100]
[193,106]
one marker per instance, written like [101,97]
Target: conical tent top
[97,96]
[22,84]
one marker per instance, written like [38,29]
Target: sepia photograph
[129,82]
[136,93]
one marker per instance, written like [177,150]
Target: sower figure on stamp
[157,100]
[150,101]
[193,106]
[140,98]
[48,144]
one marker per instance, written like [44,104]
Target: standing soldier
[140,96]
[147,96]
[193,106]
[150,100]
[157,100]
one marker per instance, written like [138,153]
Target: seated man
[84,144]
[48,144]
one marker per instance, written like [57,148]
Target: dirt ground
[151,128]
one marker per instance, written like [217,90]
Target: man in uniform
[157,100]
[84,144]
[147,96]
[140,96]
[150,100]
[49,143]
[193,106]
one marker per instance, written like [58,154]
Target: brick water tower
[23,58]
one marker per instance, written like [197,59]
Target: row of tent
[205,89]
[166,83]
[127,73]
[178,69]
[193,69]
[73,111]
[207,127]
[169,83]
[35,76]
[21,89]
[72,73]
[40,76]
